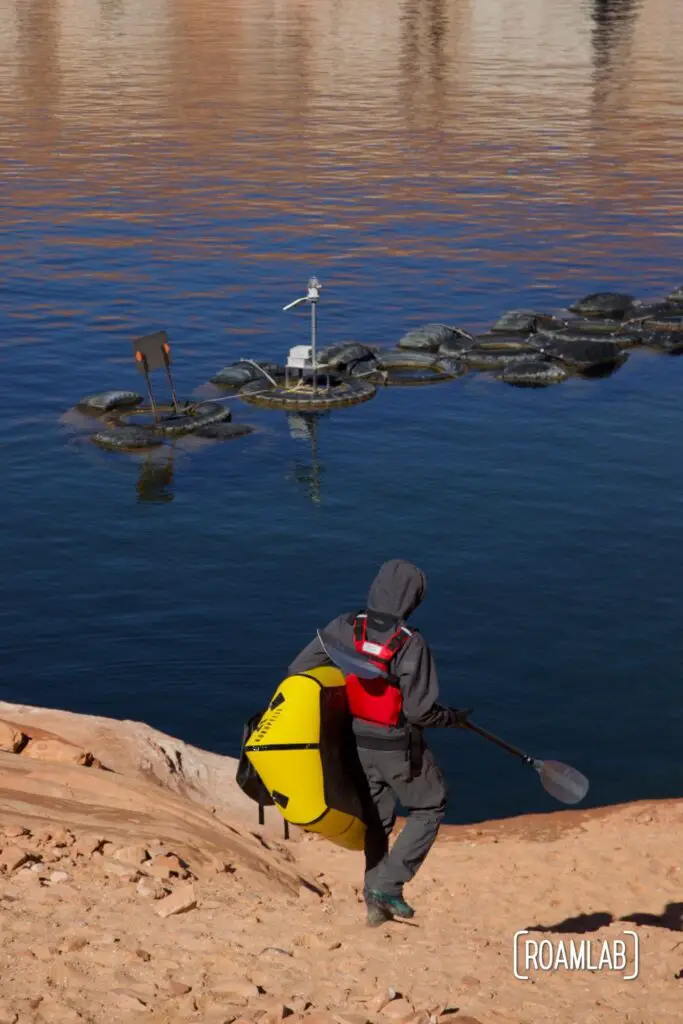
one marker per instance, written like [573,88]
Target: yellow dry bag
[303,751]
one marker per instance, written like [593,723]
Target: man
[389,717]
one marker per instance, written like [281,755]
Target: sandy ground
[124,897]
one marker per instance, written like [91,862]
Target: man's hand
[459,717]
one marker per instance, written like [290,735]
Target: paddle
[562,781]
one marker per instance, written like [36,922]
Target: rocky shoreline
[136,885]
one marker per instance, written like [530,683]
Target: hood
[399,587]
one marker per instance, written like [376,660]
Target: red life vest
[376,700]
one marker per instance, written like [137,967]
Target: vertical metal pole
[149,387]
[313,353]
[170,381]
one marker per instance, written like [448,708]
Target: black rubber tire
[400,359]
[175,425]
[223,431]
[671,324]
[533,373]
[580,351]
[441,370]
[524,321]
[615,305]
[126,439]
[342,392]
[602,370]
[454,348]
[490,359]
[642,312]
[430,337]
[345,356]
[606,344]
[106,401]
[202,415]
[363,367]
[239,373]
[493,342]
[594,326]
[665,341]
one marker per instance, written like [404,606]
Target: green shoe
[394,905]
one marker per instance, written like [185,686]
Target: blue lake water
[187,165]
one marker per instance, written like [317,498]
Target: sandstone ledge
[142,889]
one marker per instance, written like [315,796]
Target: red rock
[14,857]
[85,846]
[236,991]
[54,1012]
[7,1015]
[10,738]
[181,900]
[15,831]
[215,1008]
[469,981]
[307,895]
[126,999]
[75,945]
[62,837]
[56,750]
[64,975]
[164,865]
[152,888]
[271,1005]
[131,855]
[398,1010]
[271,1016]
[179,988]
[346,1017]
[113,869]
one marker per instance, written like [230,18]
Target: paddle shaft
[500,743]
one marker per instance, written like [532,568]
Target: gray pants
[422,793]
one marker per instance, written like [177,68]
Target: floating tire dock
[126,439]
[169,422]
[523,348]
[336,394]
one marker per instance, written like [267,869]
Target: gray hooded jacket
[398,589]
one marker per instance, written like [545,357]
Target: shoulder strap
[360,625]
[398,640]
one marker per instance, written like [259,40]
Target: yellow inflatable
[303,750]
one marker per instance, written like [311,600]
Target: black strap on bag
[249,780]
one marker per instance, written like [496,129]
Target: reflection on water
[613,37]
[155,480]
[304,427]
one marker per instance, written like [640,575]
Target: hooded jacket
[397,590]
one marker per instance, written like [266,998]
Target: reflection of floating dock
[304,427]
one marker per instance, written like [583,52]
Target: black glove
[458,717]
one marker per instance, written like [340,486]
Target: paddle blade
[562,781]
[350,662]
